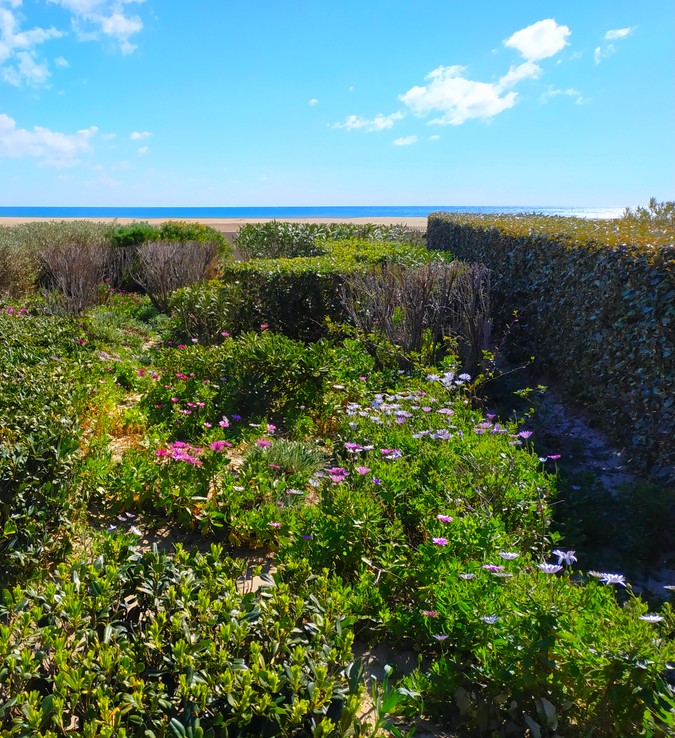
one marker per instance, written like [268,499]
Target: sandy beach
[232,225]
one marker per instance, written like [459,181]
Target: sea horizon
[314,211]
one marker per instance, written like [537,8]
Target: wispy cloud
[379,123]
[139,135]
[61,62]
[50,148]
[313,102]
[405,140]
[618,33]
[143,150]
[606,50]
[552,92]
[93,19]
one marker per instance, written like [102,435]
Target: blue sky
[307,102]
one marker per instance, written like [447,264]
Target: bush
[595,302]
[295,296]
[43,393]
[276,240]
[162,267]
[418,309]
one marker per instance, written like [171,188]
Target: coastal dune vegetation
[225,485]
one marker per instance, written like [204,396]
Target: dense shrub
[296,295]
[43,392]
[173,647]
[596,303]
[258,375]
[276,240]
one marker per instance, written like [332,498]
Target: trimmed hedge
[596,300]
[295,296]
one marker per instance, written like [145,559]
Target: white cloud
[618,33]
[108,136]
[435,137]
[51,148]
[143,150]
[569,92]
[313,102]
[541,40]
[379,123]
[140,135]
[405,140]
[456,98]
[61,62]
[91,18]
[17,49]
[526,70]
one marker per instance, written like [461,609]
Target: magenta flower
[219,445]
[444,518]
[224,423]
[554,457]
[263,442]
[274,525]
[440,541]
[494,568]
[362,470]
[430,613]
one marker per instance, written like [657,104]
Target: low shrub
[43,390]
[263,375]
[277,240]
[596,304]
[174,647]
[422,309]
[295,296]
[162,267]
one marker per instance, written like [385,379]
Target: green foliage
[173,647]
[258,376]
[277,240]
[133,234]
[655,212]
[295,296]
[202,311]
[595,302]
[43,390]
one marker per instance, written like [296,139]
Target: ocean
[280,213]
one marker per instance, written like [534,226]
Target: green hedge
[295,296]
[596,300]
[279,239]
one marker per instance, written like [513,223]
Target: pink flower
[263,442]
[162,452]
[362,470]
[264,326]
[430,613]
[440,541]
[274,525]
[494,568]
[444,518]
[224,423]
[219,445]
[225,334]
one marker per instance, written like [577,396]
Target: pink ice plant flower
[430,613]
[362,470]
[440,541]
[444,518]
[274,525]
[494,568]
[263,442]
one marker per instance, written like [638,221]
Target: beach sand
[230,226]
